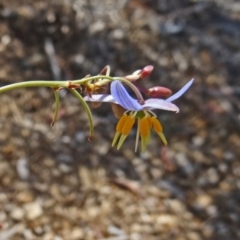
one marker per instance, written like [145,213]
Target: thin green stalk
[37,83]
[57,105]
[80,98]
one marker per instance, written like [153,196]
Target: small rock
[33,210]
[28,235]
[113,230]
[57,238]
[213,176]
[203,201]
[166,219]
[118,34]
[17,213]
[22,168]
[193,236]
[64,168]
[198,141]
[76,234]
[175,205]
[103,148]
[66,139]
[97,27]
[212,211]
[80,137]
[62,157]
[24,197]
[184,163]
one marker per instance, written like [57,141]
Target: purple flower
[135,111]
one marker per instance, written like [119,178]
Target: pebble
[203,201]
[3,216]
[166,219]
[97,27]
[113,230]
[184,163]
[64,168]
[27,233]
[80,137]
[175,205]
[212,211]
[17,213]
[76,234]
[62,157]
[193,236]
[33,210]
[25,197]
[118,34]
[102,148]
[22,168]
[198,141]
[212,175]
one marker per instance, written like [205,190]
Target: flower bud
[157,92]
[134,76]
[146,71]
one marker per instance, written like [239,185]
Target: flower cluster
[130,110]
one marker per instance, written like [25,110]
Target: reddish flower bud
[146,71]
[157,92]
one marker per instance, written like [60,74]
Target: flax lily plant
[140,110]
[135,112]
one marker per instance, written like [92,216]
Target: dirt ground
[56,185]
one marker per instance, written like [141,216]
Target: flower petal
[123,98]
[180,92]
[100,98]
[154,103]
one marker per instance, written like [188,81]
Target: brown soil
[56,185]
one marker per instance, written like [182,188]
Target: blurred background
[56,185]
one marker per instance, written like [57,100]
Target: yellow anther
[121,140]
[121,123]
[161,135]
[149,122]
[156,125]
[127,127]
[116,137]
[143,144]
[144,127]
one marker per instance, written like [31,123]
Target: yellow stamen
[144,127]
[121,140]
[128,124]
[143,143]
[125,126]
[156,125]
[116,137]
[158,129]
[161,135]
[121,123]
[149,122]
[148,138]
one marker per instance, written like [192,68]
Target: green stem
[57,104]
[37,83]
[80,98]
[65,84]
